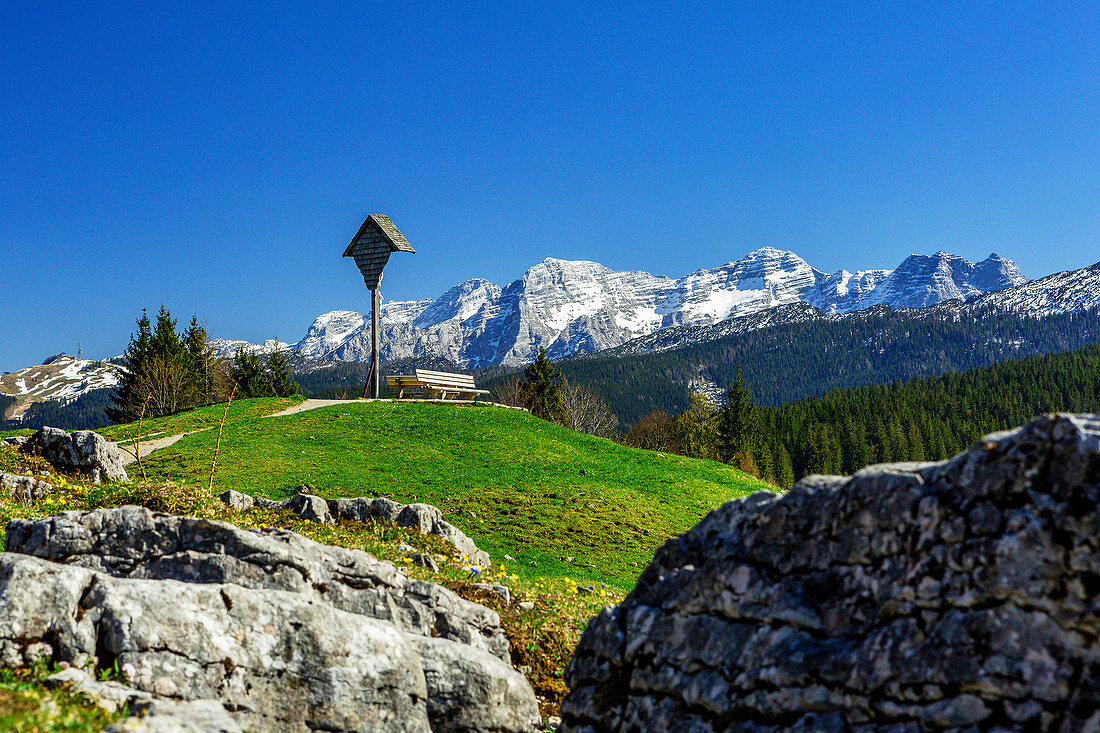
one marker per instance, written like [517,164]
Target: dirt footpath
[148,446]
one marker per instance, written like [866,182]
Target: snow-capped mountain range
[577,306]
[61,377]
[1062,292]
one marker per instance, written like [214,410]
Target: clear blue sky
[217,157]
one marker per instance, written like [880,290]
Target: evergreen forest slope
[926,419]
[789,361]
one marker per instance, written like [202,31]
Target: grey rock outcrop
[290,634]
[26,489]
[421,517]
[169,716]
[911,597]
[148,713]
[236,500]
[424,518]
[83,451]
[110,695]
[311,507]
[364,509]
[462,543]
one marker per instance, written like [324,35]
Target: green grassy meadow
[516,484]
[580,516]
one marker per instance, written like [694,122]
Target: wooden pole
[374,341]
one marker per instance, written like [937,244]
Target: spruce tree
[736,424]
[126,398]
[203,365]
[165,341]
[278,373]
[250,376]
[162,376]
[542,387]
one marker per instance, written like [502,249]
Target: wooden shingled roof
[382,224]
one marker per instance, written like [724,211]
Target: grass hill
[575,512]
[515,484]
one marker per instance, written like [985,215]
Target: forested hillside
[925,419]
[790,361]
[84,413]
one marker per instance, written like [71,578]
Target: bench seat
[428,384]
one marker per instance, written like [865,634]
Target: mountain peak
[769,253]
[570,306]
[555,263]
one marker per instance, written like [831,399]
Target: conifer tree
[251,378]
[736,423]
[163,369]
[203,364]
[278,374]
[165,341]
[542,386]
[126,399]
[255,378]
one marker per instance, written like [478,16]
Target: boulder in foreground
[956,595]
[287,633]
[82,451]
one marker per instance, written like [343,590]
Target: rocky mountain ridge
[61,377]
[1062,292]
[578,306]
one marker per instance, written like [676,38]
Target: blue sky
[217,157]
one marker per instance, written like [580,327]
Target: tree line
[926,419]
[786,362]
[168,371]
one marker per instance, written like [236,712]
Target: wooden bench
[427,384]
[405,383]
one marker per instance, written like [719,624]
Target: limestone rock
[84,451]
[236,500]
[461,542]
[425,561]
[170,716]
[17,441]
[470,690]
[421,517]
[138,543]
[503,592]
[195,641]
[365,509]
[290,634]
[109,695]
[912,597]
[311,507]
[263,501]
[424,518]
[26,489]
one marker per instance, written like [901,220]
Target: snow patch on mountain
[228,348]
[1061,292]
[568,306]
[62,378]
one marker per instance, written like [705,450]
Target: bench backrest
[445,379]
[402,380]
